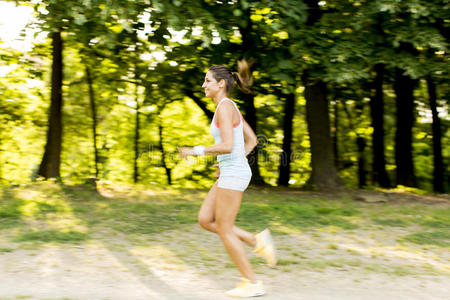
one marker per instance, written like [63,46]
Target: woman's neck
[219,97]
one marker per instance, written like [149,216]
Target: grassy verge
[313,231]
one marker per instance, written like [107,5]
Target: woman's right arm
[250,138]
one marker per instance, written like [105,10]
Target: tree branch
[200,103]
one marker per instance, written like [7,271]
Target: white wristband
[199,150]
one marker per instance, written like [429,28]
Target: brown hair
[243,77]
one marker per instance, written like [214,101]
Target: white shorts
[233,183]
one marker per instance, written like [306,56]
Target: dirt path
[98,271]
[365,263]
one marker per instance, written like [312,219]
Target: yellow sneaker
[265,247]
[246,289]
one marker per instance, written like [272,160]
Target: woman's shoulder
[226,106]
[227,102]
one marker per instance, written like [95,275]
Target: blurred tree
[438,170]
[379,174]
[145,62]
[51,161]
[324,174]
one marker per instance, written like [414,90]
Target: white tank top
[238,152]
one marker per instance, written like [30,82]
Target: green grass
[52,213]
[298,214]
[138,213]
[391,222]
[438,238]
[6,249]
[52,236]
[10,214]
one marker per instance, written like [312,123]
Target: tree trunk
[438,171]
[51,161]
[404,88]
[1,157]
[209,114]
[361,145]
[379,174]
[335,134]
[250,117]
[163,154]
[247,49]
[285,157]
[360,142]
[94,118]
[324,175]
[136,134]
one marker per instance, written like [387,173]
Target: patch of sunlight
[112,191]
[28,194]
[69,223]
[330,229]
[407,189]
[356,220]
[159,255]
[29,209]
[395,252]
[284,229]
[154,258]
[54,209]
[149,192]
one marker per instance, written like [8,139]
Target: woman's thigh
[207,210]
[227,206]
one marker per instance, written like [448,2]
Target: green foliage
[152,53]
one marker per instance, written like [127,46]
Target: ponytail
[243,77]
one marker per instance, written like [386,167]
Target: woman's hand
[185,151]
[217,173]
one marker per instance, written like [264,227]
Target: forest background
[346,93]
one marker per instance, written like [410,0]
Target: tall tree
[360,141]
[137,125]
[379,173]
[50,164]
[438,169]
[324,174]
[286,154]
[335,133]
[93,107]
[404,89]
[164,152]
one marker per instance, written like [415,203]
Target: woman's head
[221,78]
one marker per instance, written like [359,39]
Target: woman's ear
[222,83]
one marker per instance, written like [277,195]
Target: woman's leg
[207,220]
[227,206]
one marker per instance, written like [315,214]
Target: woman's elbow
[253,142]
[228,148]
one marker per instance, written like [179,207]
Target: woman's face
[211,86]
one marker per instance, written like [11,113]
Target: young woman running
[234,140]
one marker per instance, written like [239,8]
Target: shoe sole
[262,293]
[268,241]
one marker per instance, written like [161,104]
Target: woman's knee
[204,221]
[224,228]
